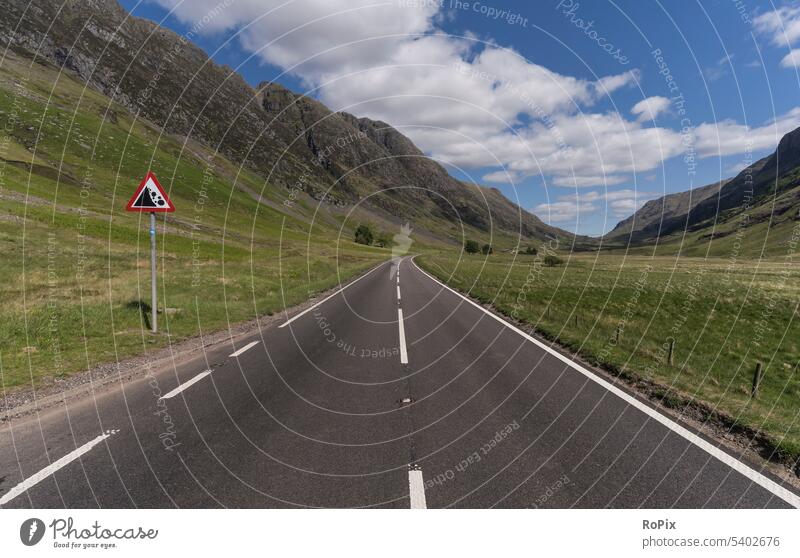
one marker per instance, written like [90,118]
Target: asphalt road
[351,404]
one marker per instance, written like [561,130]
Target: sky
[578,111]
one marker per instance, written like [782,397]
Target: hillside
[646,223]
[293,142]
[752,214]
[76,265]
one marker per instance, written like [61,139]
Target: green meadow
[624,312]
[76,266]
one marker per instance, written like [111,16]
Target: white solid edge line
[243,349]
[310,308]
[416,490]
[183,386]
[786,495]
[402,330]
[52,468]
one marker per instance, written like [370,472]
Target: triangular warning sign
[150,196]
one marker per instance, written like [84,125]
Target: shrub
[364,235]
[552,261]
[487,249]
[472,247]
[383,239]
[531,250]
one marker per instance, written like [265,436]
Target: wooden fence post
[756,380]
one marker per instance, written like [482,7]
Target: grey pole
[153,288]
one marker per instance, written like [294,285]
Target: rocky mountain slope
[761,198]
[294,142]
[646,223]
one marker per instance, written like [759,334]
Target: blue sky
[565,106]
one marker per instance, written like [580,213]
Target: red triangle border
[168,209]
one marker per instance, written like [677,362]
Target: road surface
[393,392]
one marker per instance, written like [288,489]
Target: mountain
[759,206]
[343,163]
[647,223]
[365,157]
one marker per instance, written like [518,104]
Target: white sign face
[150,196]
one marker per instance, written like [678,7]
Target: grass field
[76,265]
[724,316]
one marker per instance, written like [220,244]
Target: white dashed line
[243,349]
[784,494]
[182,387]
[310,308]
[416,490]
[53,467]
[398,292]
[403,351]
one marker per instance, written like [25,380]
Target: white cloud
[502,177]
[609,84]
[626,207]
[720,69]
[583,181]
[728,137]
[573,207]
[650,108]
[791,60]
[469,103]
[313,36]
[560,212]
[781,25]
[783,28]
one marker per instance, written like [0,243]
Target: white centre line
[182,387]
[310,308]
[243,349]
[53,467]
[416,490]
[768,484]
[403,351]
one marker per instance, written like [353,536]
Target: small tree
[552,261]
[363,235]
[531,250]
[487,249]
[472,247]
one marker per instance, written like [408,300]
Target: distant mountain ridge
[288,138]
[766,192]
[647,223]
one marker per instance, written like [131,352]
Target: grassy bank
[76,265]
[723,318]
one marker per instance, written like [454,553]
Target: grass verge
[623,313]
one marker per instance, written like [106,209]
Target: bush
[552,261]
[487,249]
[383,240]
[531,250]
[364,235]
[472,247]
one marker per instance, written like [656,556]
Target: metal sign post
[150,197]
[153,274]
